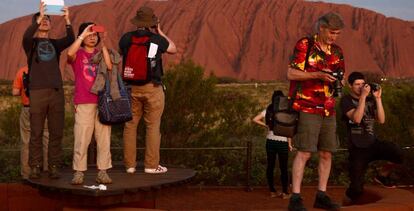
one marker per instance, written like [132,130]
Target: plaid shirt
[315,96]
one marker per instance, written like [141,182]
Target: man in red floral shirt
[314,58]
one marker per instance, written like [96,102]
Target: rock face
[243,39]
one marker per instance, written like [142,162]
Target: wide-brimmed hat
[145,17]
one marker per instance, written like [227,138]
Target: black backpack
[280,117]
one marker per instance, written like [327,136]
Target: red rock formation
[244,39]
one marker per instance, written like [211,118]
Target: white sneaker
[131,170]
[159,170]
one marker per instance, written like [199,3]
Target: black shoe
[296,203]
[385,182]
[35,172]
[54,172]
[323,201]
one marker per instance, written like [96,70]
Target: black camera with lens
[339,75]
[374,87]
[337,85]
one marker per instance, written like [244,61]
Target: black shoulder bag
[285,117]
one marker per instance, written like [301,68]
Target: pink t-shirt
[85,74]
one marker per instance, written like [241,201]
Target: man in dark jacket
[46,90]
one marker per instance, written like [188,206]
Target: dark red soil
[23,197]
[192,198]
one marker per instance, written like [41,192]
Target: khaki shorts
[316,133]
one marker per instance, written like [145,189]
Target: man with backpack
[46,89]
[310,72]
[142,65]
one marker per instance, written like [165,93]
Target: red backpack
[137,65]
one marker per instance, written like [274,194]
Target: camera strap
[311,42]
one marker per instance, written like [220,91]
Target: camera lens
[374,87]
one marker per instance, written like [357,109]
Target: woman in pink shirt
[80,55]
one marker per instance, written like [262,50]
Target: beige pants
[86,124]
[147,101]
[25,138]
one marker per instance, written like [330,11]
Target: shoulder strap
[310,44]
[146,43]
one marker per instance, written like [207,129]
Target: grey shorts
[316,133]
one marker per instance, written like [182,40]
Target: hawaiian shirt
[315,96]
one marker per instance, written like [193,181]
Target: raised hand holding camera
[97,28]
[88,31]
[365,90]
[41,12]
[54,7]
[374,87]
[65,14]
[376,90]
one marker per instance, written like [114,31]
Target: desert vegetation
[207,124]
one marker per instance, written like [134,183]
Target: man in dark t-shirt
[360,110]
[46,90]
[147,94]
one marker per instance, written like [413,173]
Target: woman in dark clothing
[276,146]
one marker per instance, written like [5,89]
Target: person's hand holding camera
[41,12]
[66,15]
[377,93]
[325,75]
[158,29]
[104,38]
[88,31]
[365,90]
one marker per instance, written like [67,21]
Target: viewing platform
[136,190]
[183,197]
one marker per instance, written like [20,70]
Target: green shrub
[199,113]
[9,125]
[9,166]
